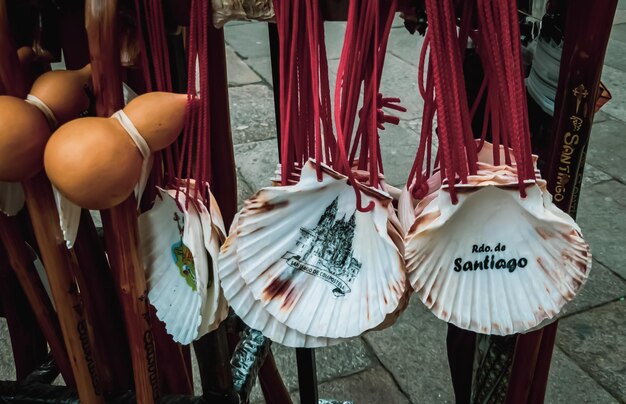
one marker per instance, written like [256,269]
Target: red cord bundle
[159,78]
[497,41]
[192,158]
[496,38]
[361,64]
[306,125]
[195,158]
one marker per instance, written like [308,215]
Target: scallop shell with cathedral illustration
[495,263]
[316,263]
[177,244]
[250,311]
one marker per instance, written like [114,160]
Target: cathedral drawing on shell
[328,246]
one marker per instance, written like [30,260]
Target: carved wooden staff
[58,261]
[120,222]
[586,36]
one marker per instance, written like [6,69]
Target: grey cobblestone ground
[406,363]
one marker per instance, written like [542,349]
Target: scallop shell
[11,198]
[317,264]
[69,217]
[247,308]
[180,244]
[216,307]
[172,259]
[543,264]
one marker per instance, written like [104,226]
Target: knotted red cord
[306,120]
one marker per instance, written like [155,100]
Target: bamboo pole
[57,260]
[120,222]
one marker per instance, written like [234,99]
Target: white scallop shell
[250,311]
[11,198]
[283,261]
[69,217]
[187,313]
[495,301]
[216,307]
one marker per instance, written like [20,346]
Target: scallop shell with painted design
[316,263]
[178,244]
[249,310]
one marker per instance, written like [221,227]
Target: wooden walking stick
[57,260]
[27,340]
[98,292]
[18,258]
[120,222]
[586,36]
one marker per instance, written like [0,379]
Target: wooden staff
[27,341]
[586,36]
[18,258]
[101,302]
[120,222]
[58,261]
[98,292]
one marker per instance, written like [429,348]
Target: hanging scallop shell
[180,256]
[11,198]
[314,262]
[216,307]
[247,308]
[495,263]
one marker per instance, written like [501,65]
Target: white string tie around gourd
[69,213]
[45,110]
[143,148]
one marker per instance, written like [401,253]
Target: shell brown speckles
[313,262]
[460,273]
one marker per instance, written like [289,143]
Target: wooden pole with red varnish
[17,257]
[17,290]
[27,340]
[120,222]
[586,36]
[58,261]
[100,300]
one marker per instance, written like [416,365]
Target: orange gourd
[25,129]
[94,162]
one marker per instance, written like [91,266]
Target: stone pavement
[407,362]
